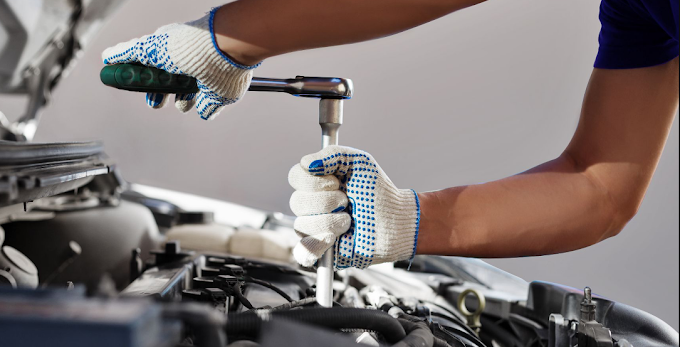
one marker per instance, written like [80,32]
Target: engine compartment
[241,297]
[248,290]
[87,259]
[112,264]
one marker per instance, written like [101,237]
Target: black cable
[452,320]
[240,297]
[459,316]
[442,331]
[464,338]
[460,323]
[270,286]
[467,333]
[452,339]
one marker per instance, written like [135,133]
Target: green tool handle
[140,78]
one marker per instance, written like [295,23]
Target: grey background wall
[479,95]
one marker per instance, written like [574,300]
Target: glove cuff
[194,50]
[401,231]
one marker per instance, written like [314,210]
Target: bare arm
[253,30]
[586,195]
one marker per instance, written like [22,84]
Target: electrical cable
[461,329]
[465,339]
[460,317]
[442,332]
[461,325]
[270,286]
[242,299]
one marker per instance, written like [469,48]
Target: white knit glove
[188,49]
[343,198]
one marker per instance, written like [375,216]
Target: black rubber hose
[441,340]
[270,286]
[205,323]
[418,334]
[250,323]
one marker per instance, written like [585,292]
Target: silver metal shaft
[310,87]
[331,91]
[330,119]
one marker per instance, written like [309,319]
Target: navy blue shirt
[637,33]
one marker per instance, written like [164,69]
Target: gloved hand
[188,49]
[344,199]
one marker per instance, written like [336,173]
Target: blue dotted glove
[188,49]
[343,199]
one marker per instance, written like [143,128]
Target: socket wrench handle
[331,90]
[308,87]
[330,119]
[140,78]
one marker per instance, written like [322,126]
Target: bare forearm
[252,30]
[584,196]
[549,209]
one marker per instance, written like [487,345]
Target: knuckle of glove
[333,223]
[314,203]
[301,180]
[304,256]
[184,102]
[118,48]
[314,163]
[310,249]
[333,159]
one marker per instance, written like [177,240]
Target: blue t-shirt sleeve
[631,38]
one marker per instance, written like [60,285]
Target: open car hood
[39,42]
[31,29]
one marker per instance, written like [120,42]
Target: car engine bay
[89,259]
[116,264]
